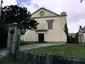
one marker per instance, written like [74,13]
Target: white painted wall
[30,36]
[84,37]
[63,34]
[46,13]
[57,34]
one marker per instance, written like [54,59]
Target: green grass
[6,60]
[68,50]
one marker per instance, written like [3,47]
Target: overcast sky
[75,10]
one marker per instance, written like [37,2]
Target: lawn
[67,49]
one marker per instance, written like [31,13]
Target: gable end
[46,10]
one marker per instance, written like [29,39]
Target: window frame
[51,24]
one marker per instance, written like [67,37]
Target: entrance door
[41,38]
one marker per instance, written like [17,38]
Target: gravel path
[26,47]
[38,45]
[3,53]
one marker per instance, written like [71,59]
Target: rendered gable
[47,13]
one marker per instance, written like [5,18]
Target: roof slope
[46,13]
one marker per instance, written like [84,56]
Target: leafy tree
[3,36]
[66,30]
[15,13]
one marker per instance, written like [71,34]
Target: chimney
[63,14]
[80,27]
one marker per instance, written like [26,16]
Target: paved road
[26,47]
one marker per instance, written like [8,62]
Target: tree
[66,30]
[3,36]
[20,15]
[15,13]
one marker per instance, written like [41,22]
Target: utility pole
[1,7]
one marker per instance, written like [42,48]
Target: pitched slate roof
[82,29]
[72,34]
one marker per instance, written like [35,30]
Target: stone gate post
[13,42]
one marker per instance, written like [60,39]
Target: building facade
[72,38]
[81,35]
[50,28]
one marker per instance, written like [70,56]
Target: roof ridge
[45,9]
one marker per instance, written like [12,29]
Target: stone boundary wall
[38,58]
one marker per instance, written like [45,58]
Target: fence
[38,58]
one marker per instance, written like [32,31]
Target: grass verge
[67,49]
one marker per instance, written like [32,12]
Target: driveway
[3,52]
[26,47]
[37,45]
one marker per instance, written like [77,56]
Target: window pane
[49,25]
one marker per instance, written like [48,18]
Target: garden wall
[38,58]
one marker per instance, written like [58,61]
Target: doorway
[41,38]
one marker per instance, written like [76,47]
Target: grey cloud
[75,10]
